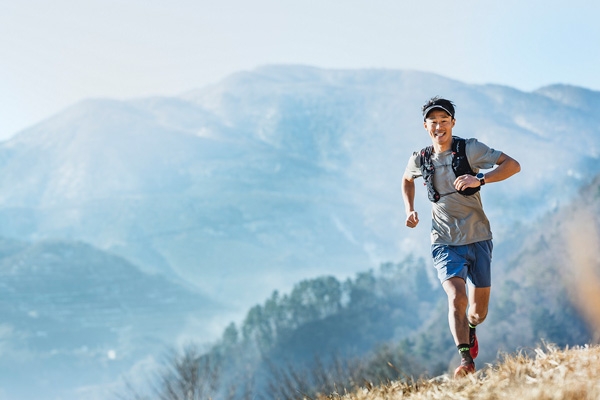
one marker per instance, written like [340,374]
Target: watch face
[479,176]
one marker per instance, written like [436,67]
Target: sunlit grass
[544,373]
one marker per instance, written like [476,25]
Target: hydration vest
[460,166]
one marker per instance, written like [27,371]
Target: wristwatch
[481,178]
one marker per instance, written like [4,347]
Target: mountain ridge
[296,177]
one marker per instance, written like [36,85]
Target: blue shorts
[472,261]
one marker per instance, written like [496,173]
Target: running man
[461,239]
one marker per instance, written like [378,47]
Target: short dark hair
[438,102]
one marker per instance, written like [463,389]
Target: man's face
[439,125]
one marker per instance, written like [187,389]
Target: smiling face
[439,125]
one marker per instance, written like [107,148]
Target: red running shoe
[473,344]
[464,370]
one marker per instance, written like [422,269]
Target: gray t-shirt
[457,219]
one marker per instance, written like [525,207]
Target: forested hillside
[322,321]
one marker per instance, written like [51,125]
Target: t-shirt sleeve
[413,169]
[481,156]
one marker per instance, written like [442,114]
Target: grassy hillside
[544,373]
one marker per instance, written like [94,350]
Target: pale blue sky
[54,53]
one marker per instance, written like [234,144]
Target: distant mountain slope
[573,96]
[74,316]
[278,174]
[546,270]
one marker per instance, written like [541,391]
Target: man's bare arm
[507,167]
[408,193]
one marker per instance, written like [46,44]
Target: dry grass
[548,373]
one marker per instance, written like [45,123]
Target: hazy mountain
[260,181]
[280,173]
[74,316]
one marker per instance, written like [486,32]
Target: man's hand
[412,219]
[466,181]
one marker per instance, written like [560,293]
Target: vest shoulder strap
[428,170]
[460,163]
[460,166]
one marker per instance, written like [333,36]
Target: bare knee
[457,295]
[458,302]
[477,316]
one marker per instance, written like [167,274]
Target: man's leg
[457,309]
[478,306]
[452,271]
[457,318]
[479,298]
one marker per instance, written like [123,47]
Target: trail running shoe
[473,344]
[464,370]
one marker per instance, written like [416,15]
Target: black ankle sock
[465,353]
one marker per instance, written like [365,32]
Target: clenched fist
[412,219]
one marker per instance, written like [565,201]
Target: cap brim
[428,109]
